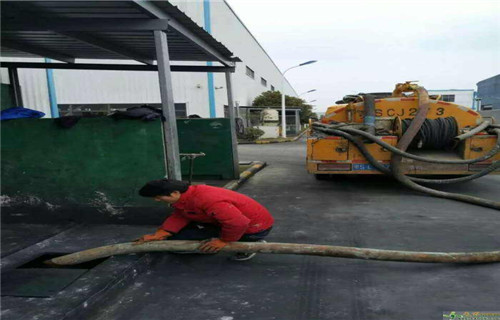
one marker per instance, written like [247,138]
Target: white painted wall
[91,86]
[33,84]
[462,97]
[230,30]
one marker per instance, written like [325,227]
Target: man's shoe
[242,256]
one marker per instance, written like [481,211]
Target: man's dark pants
[202,231]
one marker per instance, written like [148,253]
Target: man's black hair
[163,187]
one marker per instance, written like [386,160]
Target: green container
[101,162]
[212,137]
[97,162]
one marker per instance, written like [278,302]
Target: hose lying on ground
[280,248]
[442,194]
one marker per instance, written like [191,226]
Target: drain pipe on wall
[210,75]
[54,109]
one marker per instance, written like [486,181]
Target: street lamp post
[283,110]
[303,93]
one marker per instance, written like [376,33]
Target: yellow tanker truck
[361,134]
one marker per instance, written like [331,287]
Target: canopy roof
[65,30]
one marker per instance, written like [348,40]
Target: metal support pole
[247,118]
[232,119]
[283,107]
[15,87]
[169,123]
[283,110]
[297,121]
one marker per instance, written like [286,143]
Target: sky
[369,46]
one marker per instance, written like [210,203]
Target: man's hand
[212,245]
[160,234]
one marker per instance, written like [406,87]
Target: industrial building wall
[116,87]
[33,86]
[230,30]
[488,91]
[227,28]
[113,87]
[122,87]
[461,97]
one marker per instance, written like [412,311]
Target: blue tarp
[19,113]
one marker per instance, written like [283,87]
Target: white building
[465,97]
[194,93]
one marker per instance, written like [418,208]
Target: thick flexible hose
[396,170]
[361,147]
[369,157]
[495,165]
[280,248]
[399,175]
[472,132]
[405,141]
[397,151]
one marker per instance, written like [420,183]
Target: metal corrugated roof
[186,40]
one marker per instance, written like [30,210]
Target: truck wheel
[321,176]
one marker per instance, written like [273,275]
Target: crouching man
[201,212]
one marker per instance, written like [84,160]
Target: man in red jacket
[203,212]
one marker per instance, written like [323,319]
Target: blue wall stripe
[210,75]
[54,110]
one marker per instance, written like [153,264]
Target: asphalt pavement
[370,212]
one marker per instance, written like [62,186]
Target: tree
[273,99]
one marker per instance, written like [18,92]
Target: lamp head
[308,62]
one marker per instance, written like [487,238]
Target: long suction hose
[399,152]
[280,248]
[404,154]
[369,157]
[472,132]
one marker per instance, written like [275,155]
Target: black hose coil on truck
[436,134]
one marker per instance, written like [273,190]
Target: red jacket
[236,213]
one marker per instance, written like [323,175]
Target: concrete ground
[371,212]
